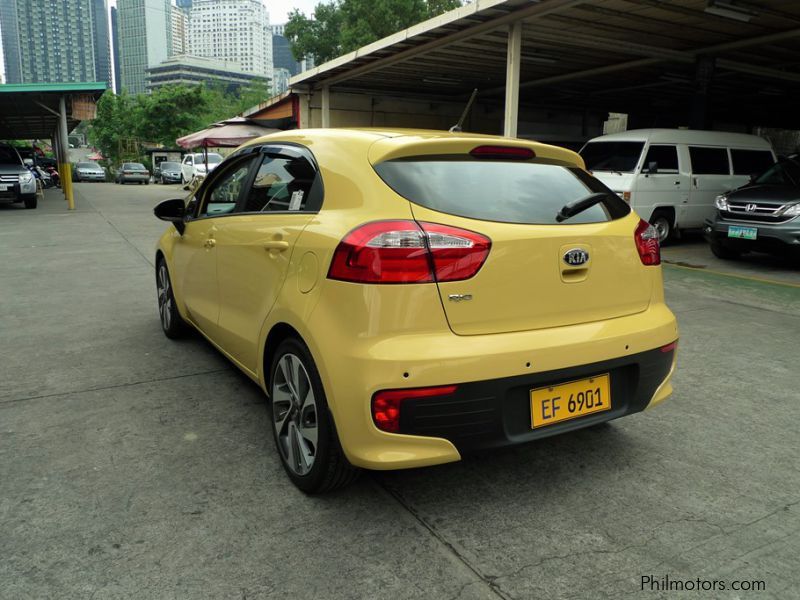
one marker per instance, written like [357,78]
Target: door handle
[210,243]
[677,183]
[277,245]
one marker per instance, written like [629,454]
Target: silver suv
[17,183]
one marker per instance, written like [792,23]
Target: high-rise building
[232,30]
[180,32]
[50,41]
[115,48]
[184,4]
[282,56]
[190,70]
[145,32]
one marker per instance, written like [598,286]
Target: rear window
[612,156]
[751,162]
[502,191]
[709,161]
[170,165]
[133,166]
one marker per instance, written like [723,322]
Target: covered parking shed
[554,69]
[48,111]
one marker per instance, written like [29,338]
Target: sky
[278,13]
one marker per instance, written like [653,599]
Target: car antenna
[457,127]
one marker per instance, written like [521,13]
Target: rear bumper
[770,237]
[495,413]
[494,375]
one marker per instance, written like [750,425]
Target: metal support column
[326,106]
[64,167]
[512,79]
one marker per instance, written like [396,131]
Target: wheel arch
[277,333]
[666,208]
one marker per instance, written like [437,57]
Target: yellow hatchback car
[406,297]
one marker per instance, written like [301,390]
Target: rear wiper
[580,205]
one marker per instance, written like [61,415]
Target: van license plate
[745,233]
[3,188]
[553,404]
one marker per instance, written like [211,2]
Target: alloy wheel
[661,225]
[294,414]
[164,297]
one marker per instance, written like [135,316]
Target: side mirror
[652,168]
[28,162]
[173,211]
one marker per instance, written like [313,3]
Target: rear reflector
[408,252]
[646,238]
[387,404]
[512,152]
[669,347]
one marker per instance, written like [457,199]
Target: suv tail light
[387,404]
[408,252]
[646,238]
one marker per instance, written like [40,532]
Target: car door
[187,166]
[711,176]
[195,253]
[662,182]
[255,245]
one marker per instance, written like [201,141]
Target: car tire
[724,252]
[664,223]
[31,202]
[172,324]
[302,425]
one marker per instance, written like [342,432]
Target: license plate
[745,233]
[556,403]
[4,187]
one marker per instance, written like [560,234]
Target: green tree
[341,26]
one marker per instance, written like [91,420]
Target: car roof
[686,136]
[386,143]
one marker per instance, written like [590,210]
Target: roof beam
[540,9]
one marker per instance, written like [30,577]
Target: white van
[672,176]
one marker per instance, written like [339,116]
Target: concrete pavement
[132,466]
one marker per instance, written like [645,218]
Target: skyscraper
[115,48]
[180,31]
[145,32]
[50,41]
[232,30]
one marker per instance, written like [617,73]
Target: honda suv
[761,216]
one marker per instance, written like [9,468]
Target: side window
[751,162]
[709,161]
[284,183]
[665,156]
[225,191]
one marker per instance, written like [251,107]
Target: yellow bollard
[65,173]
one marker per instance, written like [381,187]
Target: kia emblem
[576,257]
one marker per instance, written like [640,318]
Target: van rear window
[501,191]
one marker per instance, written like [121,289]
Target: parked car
[760,216]
[395,316]
[17,183]
[671,176]
[195,165]
[133,173]
[169,172]
[88,171]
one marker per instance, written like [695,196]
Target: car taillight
[646,238]
[408,252]
[503,152]
[387,404]
[669,347]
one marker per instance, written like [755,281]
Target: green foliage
[341,26]
[125,122]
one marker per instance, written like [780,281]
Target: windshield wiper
[578,206]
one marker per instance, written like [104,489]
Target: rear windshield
[88,165]
[502,191]
[170,165]
[133,166]
[212,158]
[621,157]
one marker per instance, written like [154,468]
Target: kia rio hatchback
[407,297]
